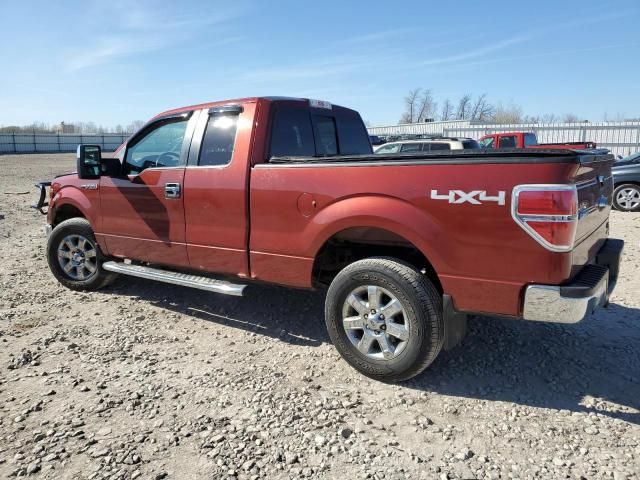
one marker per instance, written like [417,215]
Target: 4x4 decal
[475,197]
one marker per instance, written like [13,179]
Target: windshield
[633,158]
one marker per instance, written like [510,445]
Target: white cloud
[136,30]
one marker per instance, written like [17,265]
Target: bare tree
[464,107]
[570,118]
[427,106]
[447,110]
[508,114]
[482,110]
[410,106]
[549,118]
[134,126]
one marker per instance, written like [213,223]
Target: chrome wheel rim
[77,257]
[375,322]
[628,198]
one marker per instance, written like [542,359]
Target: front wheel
[74,256]
[626,198]
[385,318]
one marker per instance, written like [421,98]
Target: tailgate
[595,192]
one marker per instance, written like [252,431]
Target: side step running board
[175,278]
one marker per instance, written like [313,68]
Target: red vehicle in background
[528,140]
[288,191]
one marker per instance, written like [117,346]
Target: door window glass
[219,139]
[391,148]
[411,147]
[439,146]
[160,147]
[508,142]
[488,142]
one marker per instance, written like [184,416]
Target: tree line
[90,128]
[421,106]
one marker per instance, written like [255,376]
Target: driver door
[143,209]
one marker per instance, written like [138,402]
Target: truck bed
[511,155]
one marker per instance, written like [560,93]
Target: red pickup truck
[287,191]
[528,140]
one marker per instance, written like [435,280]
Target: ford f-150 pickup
[528,140]
[287,191]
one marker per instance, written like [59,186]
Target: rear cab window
[530,139]
[302,131]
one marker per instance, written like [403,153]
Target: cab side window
[439,146]
[488,142]
[391,148]
[160,147]
[219,140]
[508,142]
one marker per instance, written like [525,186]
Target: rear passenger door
[215,190]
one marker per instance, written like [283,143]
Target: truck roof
[234,101]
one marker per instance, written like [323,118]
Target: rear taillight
[549,213]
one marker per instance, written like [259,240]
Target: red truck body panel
[268,221]
[483,258]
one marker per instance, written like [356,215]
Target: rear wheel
[626,197]
[385,318]
[74,256]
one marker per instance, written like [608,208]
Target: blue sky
[116,61]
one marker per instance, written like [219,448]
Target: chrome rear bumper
[589,290]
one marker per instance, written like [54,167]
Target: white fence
[51,142]
[622,138]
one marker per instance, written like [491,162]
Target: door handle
[172,190]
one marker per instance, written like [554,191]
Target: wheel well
[65,212]
[626,182]
[357,243]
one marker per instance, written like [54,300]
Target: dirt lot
[146,380]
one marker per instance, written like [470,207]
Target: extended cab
[528,140]
[287,191]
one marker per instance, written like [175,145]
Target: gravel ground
[146,380]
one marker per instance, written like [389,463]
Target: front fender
[85,203]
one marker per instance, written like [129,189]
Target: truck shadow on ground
[579,367]
[573,367]
[292,316]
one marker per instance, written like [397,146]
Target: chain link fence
[54,143]
[622,138]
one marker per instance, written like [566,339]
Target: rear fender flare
[389,213]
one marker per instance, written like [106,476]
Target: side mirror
[88,161]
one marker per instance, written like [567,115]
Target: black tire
[628,206]
[77,228]
[422,307]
